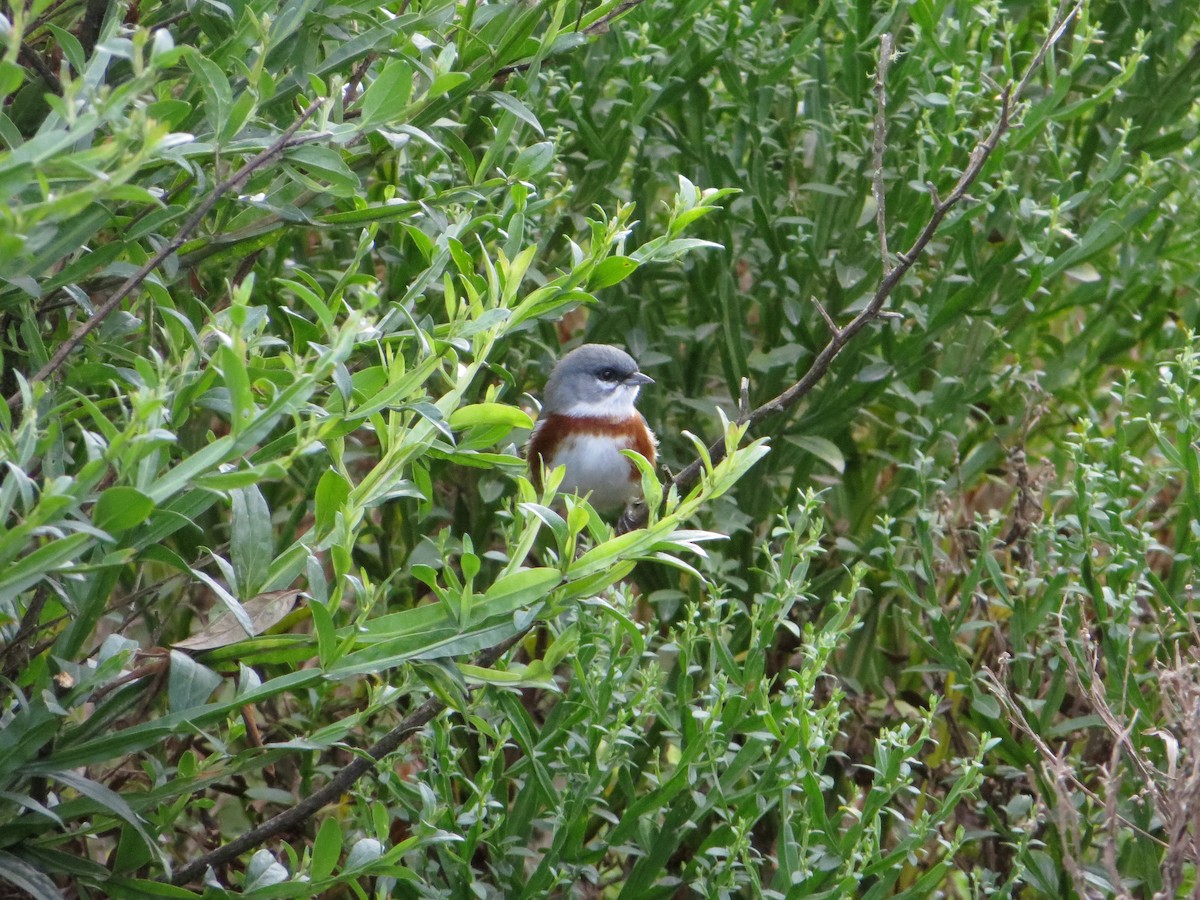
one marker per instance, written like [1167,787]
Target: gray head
[594,380]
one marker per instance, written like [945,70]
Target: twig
[1050,760]
[292,818]
[131,284]
[880,142]
[356,77]
[830,324]
[687,478]
[744,401]
[31,57]
[25,631]
[600,25]
[93,21]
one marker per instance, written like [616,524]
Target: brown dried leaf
[264,610]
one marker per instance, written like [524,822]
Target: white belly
[595,465]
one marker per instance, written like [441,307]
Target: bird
[588,417]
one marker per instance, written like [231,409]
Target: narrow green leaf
[121,507]
[822,448]
[533,161]
[330,498]
[388,95]
[611,271]
[327,849]
[489,414]
[253,545]
[189,684]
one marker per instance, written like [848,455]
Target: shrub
[274,283]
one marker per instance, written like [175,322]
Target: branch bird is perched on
[587,419]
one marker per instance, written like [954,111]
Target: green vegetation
[276,284]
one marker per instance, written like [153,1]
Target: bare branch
[135,280]
[1010,95]
[829,323]
[744,401]
[880,142]
[32,58]
[93,22]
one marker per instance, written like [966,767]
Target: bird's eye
[607,374]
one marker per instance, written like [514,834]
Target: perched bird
[587,419]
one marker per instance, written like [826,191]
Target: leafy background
[277,285]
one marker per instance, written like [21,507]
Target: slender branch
[601,24]
[880,142]
[32,58]
[93,21]
[828,319]
[135,280]
[687,478]
[292,818]
[744,401]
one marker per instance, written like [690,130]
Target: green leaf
[109,802]
[12,77]
[189,684]
[31,569]
[237,380]
[533,161]
[327,165]
[27,878]
[120,508]
[387,96]
[71,48]
[822,448]
[327,647]
[518,109]
[137,888]
[445,83]
[512,592]
[332,492]
[986,706]
[252,545]
[215,87]
[327,849]
[611,271]
[489,414]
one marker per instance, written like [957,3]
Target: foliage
[274,281]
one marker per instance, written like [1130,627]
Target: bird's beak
[637,378]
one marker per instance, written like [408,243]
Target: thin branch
[32,58]
[132,283]
[356,77]
[293,818]
[829,323]
[687,478]
[880,142]
[93,21]
[744,401]
[601,25]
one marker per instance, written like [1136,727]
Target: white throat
[617,405]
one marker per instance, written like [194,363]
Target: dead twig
[886,47]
